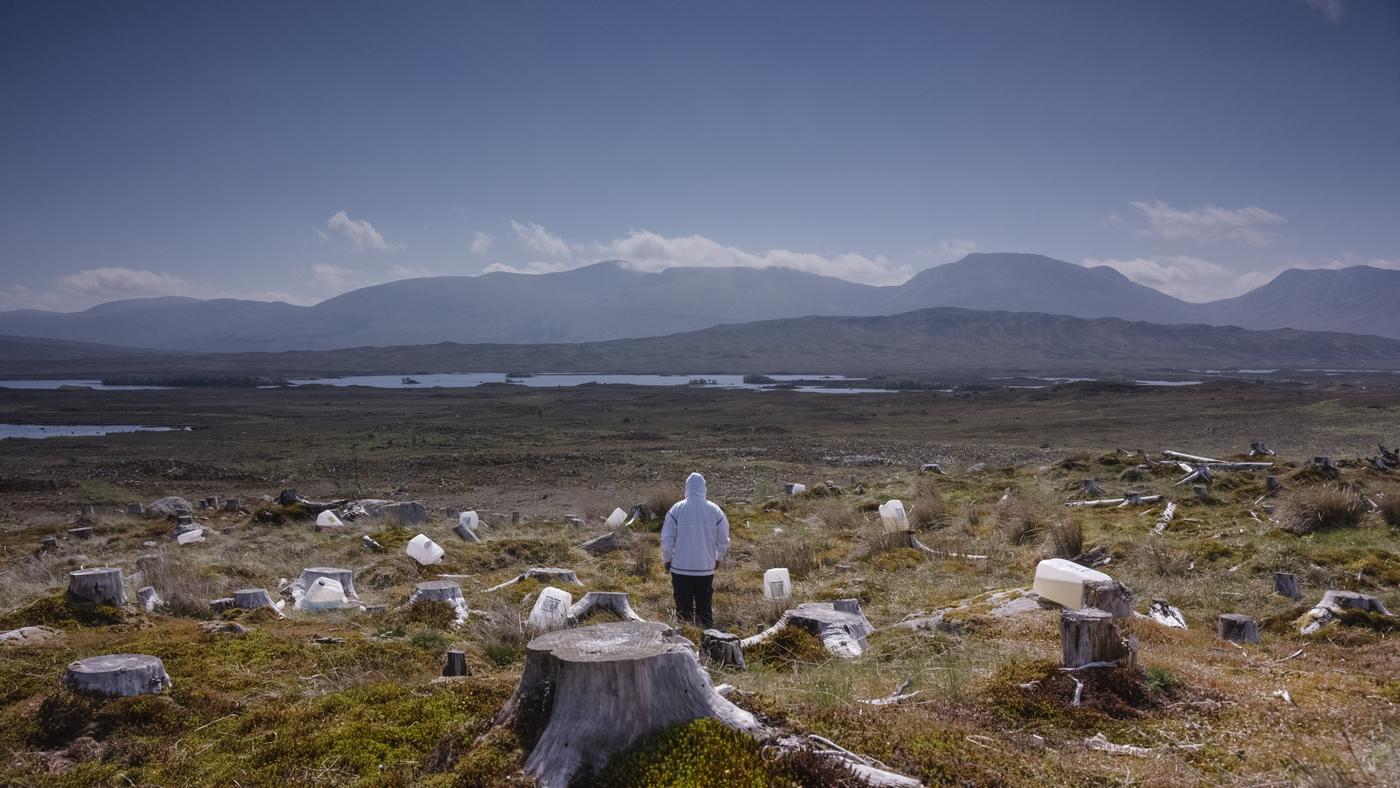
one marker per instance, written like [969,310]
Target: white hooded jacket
[695,533]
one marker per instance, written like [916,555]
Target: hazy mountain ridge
[610,301]
[931,343]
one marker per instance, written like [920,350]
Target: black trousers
[693,595]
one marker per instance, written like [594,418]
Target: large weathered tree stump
[586,694]
[722,649]
[251,598]
[615,601]
[1166,615]
[1286,584]
[1237,628]
[445,591]
[1333,603]
[101,586]
[1090,637]
[544,574]
[843,632]
[117,676]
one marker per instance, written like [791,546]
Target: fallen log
[587,694]
[1132,499]
[1166,518]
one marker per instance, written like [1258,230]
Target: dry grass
[837,517]
[1320,507]
[1023,519]
[929,510]
[1065,538]
[1390,510]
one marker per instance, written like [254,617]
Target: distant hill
[610,301]
[1358,300]
[39,350]
[928,342]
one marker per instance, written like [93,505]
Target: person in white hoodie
[694,537]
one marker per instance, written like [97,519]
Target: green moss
[788,647]
[431,613]
[699,753]
[1369,620]
[61,610]
[896,559]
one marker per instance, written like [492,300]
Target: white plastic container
[469,520]
[616,519]
[893,517]
[1063,581]
[191,537]
[327,519]
[323,594]
[796,489]
[424,550]
[551,610]
[777,584]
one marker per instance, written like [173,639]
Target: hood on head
[695,486]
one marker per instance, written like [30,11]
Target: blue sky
[296,150]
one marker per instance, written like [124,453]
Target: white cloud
[648,251]
[481,243]
[360,233]
[541,241]
[409,272]
[123,283]
[1208,222]
[947,251]
[1185,277]
[1331,10]
[536,267]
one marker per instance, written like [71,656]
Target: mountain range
[609,300]
[927,342]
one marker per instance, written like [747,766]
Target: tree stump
[455,664]
[49,541]
[444,591]
[546,574]
[1092,487]
[101,586]
[586,694]
[217,606]
[722,649]
[1273,485]
[251,598]
[1090,637]
[345,577]
[615,601]
[1259,449]
[150,600]
[371,544]
[1286,584]
[465,534]
[135,510]
[1202,492]
[1350,600]
[1110,596]
[603,543]
[233,505]
[1237,628]
[842,632]
[117,676]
